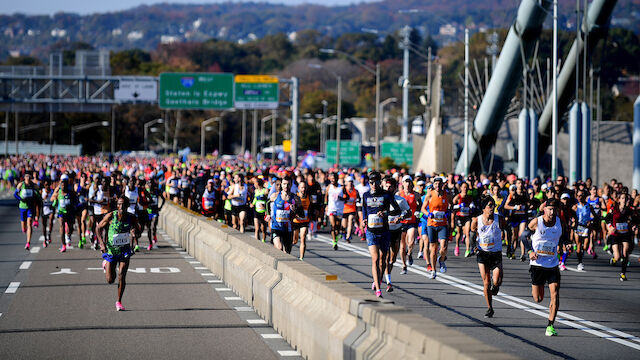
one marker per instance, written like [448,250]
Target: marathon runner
[395,228]
[621,234]
[153,209]
[26,193]
[66,200]
[116,248]
[48,211]
[259,205]
[437,228]
[349,215]
[301,224]
[409,224]
[462,202]
[284,206]
[334,198]
[489,228]
[542,247]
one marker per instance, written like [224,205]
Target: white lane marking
[243,308]
[194,262]
[0,314]
[223,289]
[12,288]
[200,268]
[95,269]
[175,245]
[288,353]
[271,336]
[517,303]
[41,238]
[214,281]
[188,257]
[183,253]
[233,298]
[256,321]
[36,249]
[25,265]
[208,274]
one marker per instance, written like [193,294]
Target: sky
[47,7]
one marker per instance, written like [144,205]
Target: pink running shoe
[562,267]
[119,306]
[104,265]
[27,247]
[35,223]
[63,248]
[149,247]
[155,239]
[379,293]
[456,252]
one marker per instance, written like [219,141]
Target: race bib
[519,210]
[622,228]
[46,210]
[121,239]
[82,199]
[131,210]
[582,231]
[439,215]
[26,193]
[314,198]
[65,202]
[260,206]
[374,221]
[464,211]
[393,219]
[154,199]
[208,204]
[351,201]
[173,191]
[282,215]
[545,248]
[486,242]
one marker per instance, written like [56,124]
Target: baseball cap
[406,178]
[64,177]
[565,196]
[420,182]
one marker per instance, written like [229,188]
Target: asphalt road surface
[59,306]
[599,315]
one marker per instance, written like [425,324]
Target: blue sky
[42,7]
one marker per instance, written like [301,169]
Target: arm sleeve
[525,237]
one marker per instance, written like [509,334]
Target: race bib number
[282,215]
[65,202]
[173,191]
[208,204]
[260,206]
[545,248]
[121,239]
[82,199]
[582,231]
[46,210]
[486,242]
[394,219]
[622,228]
[314,198]
[26,193]
[439,215]
[374,221]
[464,211]
[351,201]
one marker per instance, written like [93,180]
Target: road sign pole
[295,120]
[339,121]
[254,136]
[113,130]
[274,118]
[244,132]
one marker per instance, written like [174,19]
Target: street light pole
[244,132]
[274,118]
[146,130]
[202,134]
[380,111]
[377,116]
[405,85]
[338,135]
[82,127]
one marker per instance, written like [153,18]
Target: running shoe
[80,243]
[335,245]
[562,267]
[456,252]
[523,258]
[551,331]
[612,262]
[379,293]
[467,253]
[443,266]
[95,245]
[389,288]
[420,255]
[119,306]
[580,267]
[589,251]
[35,223]
[403,271]
[623,277]
[429,267]
[27,247]
[67,240]
[150,247]
[155,239]
[137,248]
[63,248]
[595,256]
[104,265]
[494,289]
[489,313]
[410,260]
[45,243]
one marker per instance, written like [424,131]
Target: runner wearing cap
[410,224]
[48,211]
[395,228]
[489,227]
[375,209]
[349,216]
[437,229]
[26,194]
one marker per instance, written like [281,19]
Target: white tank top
[242,200]
[334,204]
[133,199]
[404,206]
[490,236]
[545,243]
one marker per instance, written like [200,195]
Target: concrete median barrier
[320,317]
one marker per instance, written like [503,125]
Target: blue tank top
[584,214]
[281,214]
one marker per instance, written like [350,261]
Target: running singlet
[583,212]
[47,204]
[371,205]
[260,200]
[281,213]
[27,193]
[64,203]
[240,190]
[545,243]
[208,200]
[463,206]
[396,214]
[620,222]
[413,205]
[350,203]
[490,236]
[119,235]
[438,207]
[132,195]
[335,204]
[305,202]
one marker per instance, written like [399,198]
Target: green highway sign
[196,91]
[349,152]
[399,152]
[256,92]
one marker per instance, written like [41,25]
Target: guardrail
[320,317]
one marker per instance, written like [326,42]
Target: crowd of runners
[106,205]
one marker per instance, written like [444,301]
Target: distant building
[116,32]
[135,35]
[58,32]
[447,30]
[169,39]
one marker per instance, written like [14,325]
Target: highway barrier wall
[320,317]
